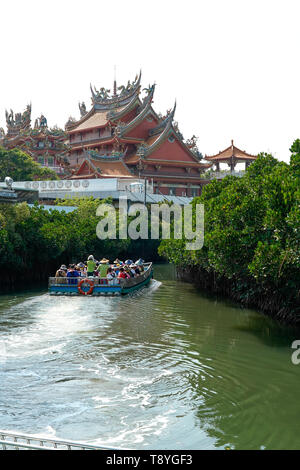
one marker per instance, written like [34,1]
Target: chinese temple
[231,156]
[44,145]
[122,136]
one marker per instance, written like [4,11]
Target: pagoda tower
[231,156]
[122,136]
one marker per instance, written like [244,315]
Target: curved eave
[161,138]
[105,141]
[107,104]
[129,107]
[228,158]
[232,149]
[158,161]
[146,108]
[70,128]
[164,135]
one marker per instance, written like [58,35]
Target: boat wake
[147,290]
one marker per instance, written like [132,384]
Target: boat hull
[101,286]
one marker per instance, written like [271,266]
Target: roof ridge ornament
[103,100]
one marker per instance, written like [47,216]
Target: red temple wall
[129,116]
[141,131]
[172,151]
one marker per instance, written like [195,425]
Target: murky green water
[165,368]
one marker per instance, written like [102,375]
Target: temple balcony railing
[89,141]
[222,174]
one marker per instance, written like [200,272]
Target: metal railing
[17,441]
[74,281]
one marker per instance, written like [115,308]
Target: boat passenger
[116,270]
[117,261]
[140,264]
[61,273]
[127,271]
[103,267]
[133,270]
[130,271]
[110,276]
[81,269]
[137,270]
[112,271]
[122,274]
[72,275]
[91,265]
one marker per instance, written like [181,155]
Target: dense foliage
[35,241]
[252,234]
[21,167]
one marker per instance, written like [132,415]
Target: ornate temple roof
[145,107]
[133,126]
[102,99]
[157,136]
[21,135]
[91,120]
[91,168]
[229,153]
[106,106]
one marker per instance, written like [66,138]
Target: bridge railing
[17,441]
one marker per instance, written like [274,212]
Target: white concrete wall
[110,184]
[105,184]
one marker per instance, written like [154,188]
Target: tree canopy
[252,230]
[21,167]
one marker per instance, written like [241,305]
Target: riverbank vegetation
[251,246]
[34,241]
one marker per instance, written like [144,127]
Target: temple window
[41,160]
[41,144]
[50,161]
[172,191]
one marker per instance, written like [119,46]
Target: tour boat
[99,286]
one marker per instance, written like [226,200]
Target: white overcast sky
[232,65]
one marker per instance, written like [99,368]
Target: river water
[167,367]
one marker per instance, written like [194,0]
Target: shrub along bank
[251,249]
[34,242]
